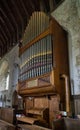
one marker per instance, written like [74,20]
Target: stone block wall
[13,61]
[68,16]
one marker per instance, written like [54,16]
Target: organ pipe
[36,59]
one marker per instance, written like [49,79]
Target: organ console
[43,58]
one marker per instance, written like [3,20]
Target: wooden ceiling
[14,16]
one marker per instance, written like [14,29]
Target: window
[4,76]
[7,81]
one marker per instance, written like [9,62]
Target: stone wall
[12,59]
[68,16]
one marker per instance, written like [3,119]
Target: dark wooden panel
[6,126]
[7,115]
[41,102]
[32,127]
[36,104]
[60,58]
[66,124]
[53,108]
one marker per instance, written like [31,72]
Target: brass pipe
[67,92]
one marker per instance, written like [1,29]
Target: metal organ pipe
[67,94]
[36,60]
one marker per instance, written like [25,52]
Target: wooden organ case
[43,58]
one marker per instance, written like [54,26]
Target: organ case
[44,57]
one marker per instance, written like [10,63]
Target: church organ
[37,59]
[43,58]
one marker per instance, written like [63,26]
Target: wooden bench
[31,127]
[66,124]
[7,119]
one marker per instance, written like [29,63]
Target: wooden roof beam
[32,5]
[42,6]
[10,25]
[2,39]
[13,18]
[27,14]
[2,22]
[19,14]
[51,4]
[4,34]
